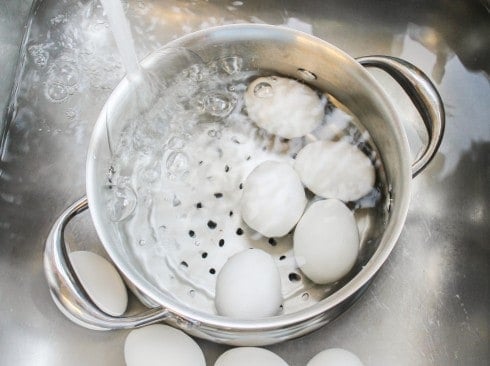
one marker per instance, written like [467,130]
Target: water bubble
[123,203]
[177,163]
[194,72]
[192,293]
[70,113]
[305,296]
[141,242]
[306,75]
[66,73]
[218,105]
[263,90]
[56,92]
[231,65]
[39,55]
[214,133]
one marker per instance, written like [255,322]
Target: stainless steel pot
[283,51]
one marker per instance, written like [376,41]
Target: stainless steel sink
[429,303]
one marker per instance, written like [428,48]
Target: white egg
[273,199]
[159,344]
[101,281]
[335,357]
[249,356]
[248,286]
[326,241]
[335,169]
[284,106]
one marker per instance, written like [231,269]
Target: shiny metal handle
[424,96]
[67,291]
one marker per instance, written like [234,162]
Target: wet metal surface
[429,304]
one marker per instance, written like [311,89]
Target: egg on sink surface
[335,169]
[249,356]
[248,286]
[101,281]
[326,241]
[335,357]
[283,106]
[273,199]
[159,344]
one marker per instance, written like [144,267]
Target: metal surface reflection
[429,303]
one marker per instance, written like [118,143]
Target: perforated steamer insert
[164,196]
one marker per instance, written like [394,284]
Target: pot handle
[67,291]
[424,96]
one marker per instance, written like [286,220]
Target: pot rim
[392,231]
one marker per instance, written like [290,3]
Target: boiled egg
[335,357]
[335,169]
[101,281]
[248,286]
[159,344]
[249,356]
[326,241]
[273,199]
[283,106]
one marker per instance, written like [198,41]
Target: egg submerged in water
[273,199]
[158,344]
[326,241]
[335,169]
[248,286]
[283,106]
[249,356]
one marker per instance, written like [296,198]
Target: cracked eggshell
[326,241]
[101,281]
[283,106]
[335,169]
[273,199]
[159,344]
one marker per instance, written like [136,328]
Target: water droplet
[123,203]
[142,243]
[231,65]
[305,296]
[214,133]
[177,163]
[218,105]
[306,75]
[263,90]
[192,293]
[237,3]
[56,92]
[176,202]
[70,113]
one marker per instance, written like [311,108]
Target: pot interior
[190,171]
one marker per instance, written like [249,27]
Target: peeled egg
[284,106]
[159,344]
[335,357]
[335,169]
[249,356]
[273,199]
[326,241]
[248,286]
[101,281]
